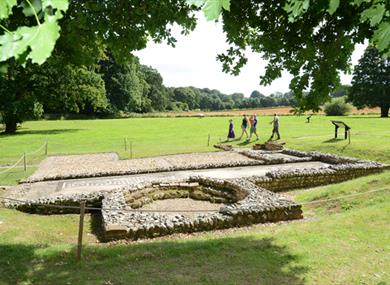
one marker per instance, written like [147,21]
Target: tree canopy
[371,82]
[313,40]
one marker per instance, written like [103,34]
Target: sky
[193,63]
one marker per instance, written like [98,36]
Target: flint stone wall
[258,206]
[284,180]
[247,200]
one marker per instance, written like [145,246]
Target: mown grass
[343,246]
[157,136]
[341,242]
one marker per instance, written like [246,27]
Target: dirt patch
[181,205]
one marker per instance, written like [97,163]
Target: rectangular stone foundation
[212,222]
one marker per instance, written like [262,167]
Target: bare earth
[183,204]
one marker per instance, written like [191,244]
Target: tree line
[107,89]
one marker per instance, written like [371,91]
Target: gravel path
[92,185]
[97,165]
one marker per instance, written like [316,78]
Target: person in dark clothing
[253,129]
[244,126]
[231,134]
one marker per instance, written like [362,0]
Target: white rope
[21,158]
[39,149]
[13,166]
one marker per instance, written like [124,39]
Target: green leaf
[56,4]
[212,9]
[6,8]
[226,5]
[3,68]
[43,43]
[333,5]
[359,2]
[31,11]
[374,14]
[40,39]
[296,8]
[10,45]
[382,36]
[197,3]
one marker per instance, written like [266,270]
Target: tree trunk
[385,112]
[10,126]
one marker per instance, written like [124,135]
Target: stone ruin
[235,201]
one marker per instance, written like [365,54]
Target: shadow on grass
[239,260]
[333,140]
[39,132]
[245,142]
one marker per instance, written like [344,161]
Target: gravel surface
[96,165]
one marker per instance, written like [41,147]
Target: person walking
[275,129]
[253,129]
[231,134]
[244,126]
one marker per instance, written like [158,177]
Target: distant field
[157,136]
[263,112]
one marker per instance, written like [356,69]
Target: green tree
[371,82]
[126,86]
[157,92]
[187,95]
[313,40]
[17,100]
[337,107]
[68,88]
[81,35]
[25,92]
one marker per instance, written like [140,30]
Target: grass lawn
[157,136]
[341,242]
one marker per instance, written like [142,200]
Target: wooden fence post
[46,148]
[131,149]
[24,162]
[81,228]
[349,137]
[125,141]
[208,141]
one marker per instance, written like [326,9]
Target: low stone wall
[206,192]
[307,178]
[258,206]
[323,157]
[245,201]
[275,157]
[48,205]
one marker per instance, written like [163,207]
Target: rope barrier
[39,149]
[183,211]
[13,166]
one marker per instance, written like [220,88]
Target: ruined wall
[308,178]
